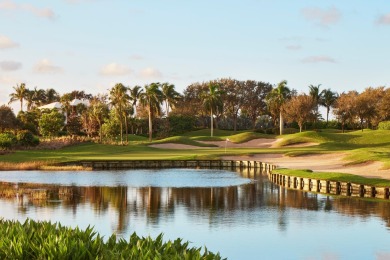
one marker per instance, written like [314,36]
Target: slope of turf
[334,176]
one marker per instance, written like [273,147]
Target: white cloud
[321,16]
[384,19]
[10,5]
[45,66]
[293,47]
[150,73]
[115,69]
[6,43]
[10,65]
[318,59]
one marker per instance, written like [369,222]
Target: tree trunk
[327,115]
[235,122]
[127,129]
[121,125]
[300,128]
[254,123]
[100,131]
[150,124]
[167,105]
[211,123]
[281,123]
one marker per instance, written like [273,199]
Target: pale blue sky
[92,44]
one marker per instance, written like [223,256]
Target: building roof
[53,105]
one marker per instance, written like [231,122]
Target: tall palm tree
[98,109]
[277,97]
[135,94]
[120,101]
[51,95]
[212,100]
[19,94]
[152,98]
[316,94]
[328,100]
[171,96]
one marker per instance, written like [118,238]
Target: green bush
[44,240]
[26,138]
[7,140]
[385,125]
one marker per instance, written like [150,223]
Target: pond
[240,214]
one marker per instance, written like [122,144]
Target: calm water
[241,215]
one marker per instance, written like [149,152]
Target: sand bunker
[318,162]
[177,146]
[255,143]
[321,163]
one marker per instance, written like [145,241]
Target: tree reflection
[155,203]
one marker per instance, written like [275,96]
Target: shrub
[44,240]
[7,140]
[26,138]
[385,125]
[50,124]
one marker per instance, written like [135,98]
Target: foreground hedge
[44,240]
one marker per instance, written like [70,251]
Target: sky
[92,44]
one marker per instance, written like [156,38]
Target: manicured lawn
[334,176]
[360,147]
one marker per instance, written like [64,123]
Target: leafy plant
[26,138]
[7,140]
[45,240]
[385,125]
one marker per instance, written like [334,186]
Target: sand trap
[255,143]
[320,162]
[177,146]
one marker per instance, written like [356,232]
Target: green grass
[44,240]
[334,176]
[359,146]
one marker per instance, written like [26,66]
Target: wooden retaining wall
[330,187]
[161,164]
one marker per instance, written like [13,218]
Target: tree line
[159,110]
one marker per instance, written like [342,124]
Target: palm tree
[39,97]
[51,95]
[328,100]
[99,110]
[135,94]
[212,101]
[19,94]
[316,94]
[170,96]
[277,97]
[120,101]
[152,98]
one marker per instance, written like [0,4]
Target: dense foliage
[44,240]
[385,125]
[158,110]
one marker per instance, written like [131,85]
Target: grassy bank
[334,176]
[44,240]
[359,147]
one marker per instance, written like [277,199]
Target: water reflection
[218,205]
[237,220]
